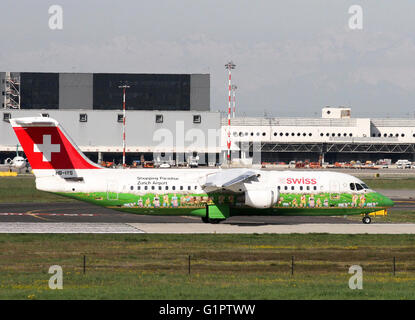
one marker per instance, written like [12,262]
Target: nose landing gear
[366,220]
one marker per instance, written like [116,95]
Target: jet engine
[261,199]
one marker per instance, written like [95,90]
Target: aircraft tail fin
[47,146]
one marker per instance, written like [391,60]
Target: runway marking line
[132,226]
[191,218]
[30,213]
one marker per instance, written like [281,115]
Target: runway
[198,228]
[81,217]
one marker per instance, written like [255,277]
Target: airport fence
[192,264]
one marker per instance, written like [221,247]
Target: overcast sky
[292,57]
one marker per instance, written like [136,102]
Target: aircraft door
[112,190]
[334,189]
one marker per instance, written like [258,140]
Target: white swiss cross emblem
[47,148]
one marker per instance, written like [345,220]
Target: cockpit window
[352,186]
[365,186]
[358,187]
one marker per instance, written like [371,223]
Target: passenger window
[159,187]
[292,187]
[174,188]
[352,186]
[279,188]
[308,187]
[189,188]
[195,187]
[301,187]
[167,187]
[139,187]
[359,187]
[145,187]
[152,187]
[285,188]
[181,187]
[315,188]
[131,188]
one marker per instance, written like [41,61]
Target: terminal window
[197,118]
[6,116]
[159,118]
[83,117]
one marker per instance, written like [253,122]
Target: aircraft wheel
[215,221]
[366,220]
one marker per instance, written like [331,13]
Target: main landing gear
[215,214]
[208,220]
[366,220]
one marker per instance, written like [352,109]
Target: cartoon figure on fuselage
[174,201]
[355,197]
[182,201]
[362,200]
[303,202]
[60,167]
[294,203]
[311,201]
[156,202]
[318,203]
[148,202]
[166,200]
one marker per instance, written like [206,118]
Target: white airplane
[17,162]
[212,194]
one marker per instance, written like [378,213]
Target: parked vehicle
[403,163]
[148,164]
[136,163]
[193,164]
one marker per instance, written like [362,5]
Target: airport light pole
[123,87]
[229,66]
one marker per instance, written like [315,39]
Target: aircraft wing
[227,179]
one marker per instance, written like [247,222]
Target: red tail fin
[47,146]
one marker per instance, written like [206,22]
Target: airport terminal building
[168,118]
[336,136]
